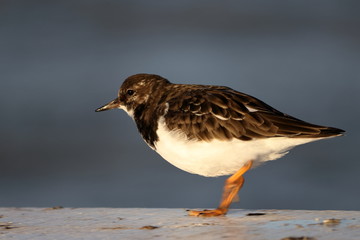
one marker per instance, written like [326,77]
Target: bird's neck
[146,117]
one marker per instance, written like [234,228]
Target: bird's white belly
[217,158]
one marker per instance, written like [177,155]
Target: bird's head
[135,90]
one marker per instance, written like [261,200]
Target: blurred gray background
[60,60]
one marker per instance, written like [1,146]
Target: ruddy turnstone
[211,130]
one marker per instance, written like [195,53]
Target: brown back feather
[208,112]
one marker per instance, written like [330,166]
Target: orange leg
[232,186]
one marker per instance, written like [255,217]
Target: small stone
[331,221]
[149,227]
[256,214]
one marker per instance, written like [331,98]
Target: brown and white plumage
[211,112]
[211,130]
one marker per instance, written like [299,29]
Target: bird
[211,130]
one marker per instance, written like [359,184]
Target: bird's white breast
[217,158]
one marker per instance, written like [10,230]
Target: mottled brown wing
[223,113]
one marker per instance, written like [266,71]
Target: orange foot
[232,186]
[207,213]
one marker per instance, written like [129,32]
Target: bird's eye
[130,92]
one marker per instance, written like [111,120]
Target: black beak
[111,105]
